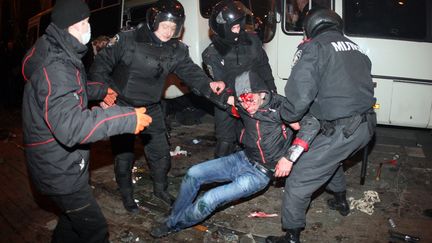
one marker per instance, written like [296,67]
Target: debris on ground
[392,223]
[221,235]
[401,236]
[392,162]
[201,228]
[126,236]
[50,225]
[365,204]
[178,151]
[261,215]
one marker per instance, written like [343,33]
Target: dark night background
[14,15]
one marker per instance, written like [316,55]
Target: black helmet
[225,14]
[166,10]
[320,20]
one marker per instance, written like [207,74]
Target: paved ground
[403,188]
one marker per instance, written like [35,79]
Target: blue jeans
[244,180]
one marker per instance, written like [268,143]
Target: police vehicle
[395,34]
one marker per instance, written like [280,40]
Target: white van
[397,37]
[395,34]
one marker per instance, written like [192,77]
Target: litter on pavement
[261,215]
[365,204]
[178,151]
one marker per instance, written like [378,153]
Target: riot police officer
[136,67]
[232,52]
[331,81]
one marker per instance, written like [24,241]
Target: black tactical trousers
[320,165]
[81,219]
[156,148]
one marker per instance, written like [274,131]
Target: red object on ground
[261,215]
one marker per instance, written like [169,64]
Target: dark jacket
[57,124]
[330,77]
[265,137]
[227,60]
[137,65]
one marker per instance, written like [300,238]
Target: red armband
[301,143]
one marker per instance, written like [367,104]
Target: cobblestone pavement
[401,157]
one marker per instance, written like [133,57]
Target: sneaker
[161,230]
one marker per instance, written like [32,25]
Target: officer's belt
[351,124]
[263,169]
[346,120]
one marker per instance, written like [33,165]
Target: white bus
[395,34]
[397,37]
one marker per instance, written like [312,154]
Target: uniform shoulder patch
[297,57]
[210,71]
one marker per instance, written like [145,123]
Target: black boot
[160,191]
[292,236]
[159,169]
[224,148]
[339,203]
[128,200]
[123,175]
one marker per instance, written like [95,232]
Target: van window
[206,7]
[105,21]
[97,4]
[295,12]
[110,2]
[263,20]
[94,4]
[390,19]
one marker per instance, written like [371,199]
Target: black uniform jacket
[265,137]
[227,61]
[57,124]
[137,65]
[331,77]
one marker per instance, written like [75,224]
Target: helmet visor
[179,21]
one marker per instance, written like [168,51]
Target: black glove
[219,100]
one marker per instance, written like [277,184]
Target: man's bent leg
[245,181]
